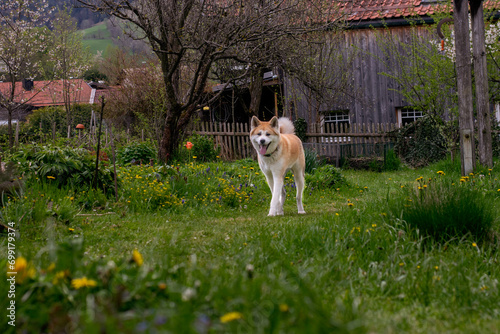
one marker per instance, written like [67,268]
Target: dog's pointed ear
[255,122]
[274,122]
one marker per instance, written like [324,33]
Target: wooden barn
[359,93]
[359,103]
[365,96]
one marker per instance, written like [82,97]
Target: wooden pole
[94,183]
[114,162]
[16,138]
[464,85]
[485,149]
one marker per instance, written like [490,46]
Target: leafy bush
[444,210]
[42,120]
[375,164]
[326,176]
[64,166]
[300,125]
[203,148]
[421,142]
[136,152]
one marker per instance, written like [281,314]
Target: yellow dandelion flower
[137,257]
[51,177]
[284,308]
[83,282]
[474,244]
[231,316]
[60,276]
[22,270]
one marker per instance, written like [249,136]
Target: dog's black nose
[262,141]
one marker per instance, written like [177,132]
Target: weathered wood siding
[377,101]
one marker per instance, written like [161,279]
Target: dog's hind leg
[282,201]
[299,183]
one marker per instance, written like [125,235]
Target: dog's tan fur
[279,150]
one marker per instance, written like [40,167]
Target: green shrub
[41,121]
[203,148]
[421,142]
[136,152]
[326,176]
[64,166]
[443,210]
[392,162]
[300,125]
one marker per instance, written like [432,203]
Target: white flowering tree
[22,39]
[67,57]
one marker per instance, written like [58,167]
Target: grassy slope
[97,38]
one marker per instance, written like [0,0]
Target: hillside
[108,33]
[98,38]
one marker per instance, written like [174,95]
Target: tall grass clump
[391,161]
[325,177]
[313,161]
[444,210]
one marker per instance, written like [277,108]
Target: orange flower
[189,145]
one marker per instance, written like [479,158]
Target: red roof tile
[50,93]
[386,9]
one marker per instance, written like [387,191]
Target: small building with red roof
[37,94]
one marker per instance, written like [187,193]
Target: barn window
[336,119]
[408,115]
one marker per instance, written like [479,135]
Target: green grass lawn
[210,260]
[97,38]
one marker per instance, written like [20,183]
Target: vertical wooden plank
[246,147]
[336,146]
[230,139]
[234,141]
[238,139]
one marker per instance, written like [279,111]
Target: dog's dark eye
[268,134]
[259,133]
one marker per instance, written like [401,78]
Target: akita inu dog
[279,150]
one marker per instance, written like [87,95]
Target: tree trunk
[464,85]
[481,79]
[176,122]
[9,128]
[256,91]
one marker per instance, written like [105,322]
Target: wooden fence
[326,139]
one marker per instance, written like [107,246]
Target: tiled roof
[49,93]
[360,10]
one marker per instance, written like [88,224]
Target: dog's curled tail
[286,125]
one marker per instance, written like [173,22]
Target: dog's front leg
[276,201]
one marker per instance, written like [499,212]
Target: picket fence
[326,139]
